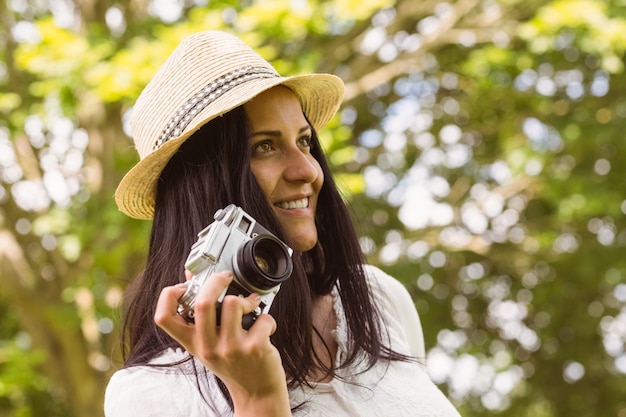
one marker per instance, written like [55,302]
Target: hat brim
[319,94]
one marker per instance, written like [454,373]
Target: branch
[14,254]
[26,157]
[445,33]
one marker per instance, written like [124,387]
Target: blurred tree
[481,144]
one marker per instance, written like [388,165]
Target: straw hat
[207,75]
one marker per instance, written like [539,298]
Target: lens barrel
[262,263]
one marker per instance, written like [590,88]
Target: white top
[387,390]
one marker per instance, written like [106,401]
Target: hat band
[206,96]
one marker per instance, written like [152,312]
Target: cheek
[319,181]
[265,176]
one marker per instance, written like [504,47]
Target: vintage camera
[260,261]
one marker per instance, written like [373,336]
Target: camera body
[260,262]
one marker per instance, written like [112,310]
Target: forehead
[276,105]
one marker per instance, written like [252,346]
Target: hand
[245,360]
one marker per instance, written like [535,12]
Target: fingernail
[255,297]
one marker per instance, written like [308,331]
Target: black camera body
[260,262]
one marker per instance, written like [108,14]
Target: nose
[300,167]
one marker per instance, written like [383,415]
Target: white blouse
[389,389]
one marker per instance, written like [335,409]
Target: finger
[264,327]
[188,275]
[166,315]
[234,308]
[206,303]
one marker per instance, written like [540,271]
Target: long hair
[212,170]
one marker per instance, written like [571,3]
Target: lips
[294,204]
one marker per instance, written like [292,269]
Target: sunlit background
[481,144]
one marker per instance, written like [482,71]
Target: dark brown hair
[212,170]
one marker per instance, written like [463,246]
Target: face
[282,163]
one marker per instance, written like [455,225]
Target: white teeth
[296,204]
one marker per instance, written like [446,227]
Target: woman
[216,126]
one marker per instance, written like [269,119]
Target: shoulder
[389,291]
[384,283]
[137,391]
[397,308]
[170,390]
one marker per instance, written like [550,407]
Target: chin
[303,245]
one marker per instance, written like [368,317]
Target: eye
[262,147]
[305,141]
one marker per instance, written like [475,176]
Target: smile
[295,204]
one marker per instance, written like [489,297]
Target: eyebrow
[277,133]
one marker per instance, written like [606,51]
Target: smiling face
[281,161]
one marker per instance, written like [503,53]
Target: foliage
[480,144]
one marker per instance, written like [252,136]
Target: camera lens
[262,263]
